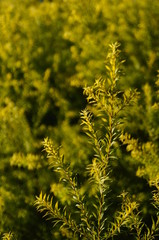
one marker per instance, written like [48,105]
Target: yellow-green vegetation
[86,216]
[50,51]
[7,236]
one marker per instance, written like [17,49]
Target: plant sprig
[103,128]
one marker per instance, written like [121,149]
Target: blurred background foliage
[49,51]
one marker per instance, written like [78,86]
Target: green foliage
[146,154]
[87,218]
[49,52]
[7,236]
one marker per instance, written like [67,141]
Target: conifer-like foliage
[86,217]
